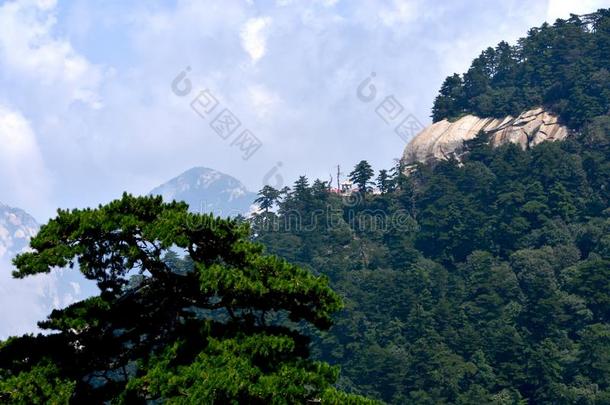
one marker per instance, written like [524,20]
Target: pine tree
[199,332]
[361,176]
[267,198]
[450,100]
[385,183]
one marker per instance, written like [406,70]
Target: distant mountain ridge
[16,229]
[30,300]
[208,190]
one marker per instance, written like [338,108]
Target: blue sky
[87,109]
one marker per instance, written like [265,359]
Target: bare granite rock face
[444,139]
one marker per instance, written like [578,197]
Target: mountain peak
[208,190]
[16,229]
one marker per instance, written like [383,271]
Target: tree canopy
[480,281]
[361,176]
[218,325]
[564,67]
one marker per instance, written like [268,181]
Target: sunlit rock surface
[445,139]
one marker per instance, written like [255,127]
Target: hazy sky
[87,108]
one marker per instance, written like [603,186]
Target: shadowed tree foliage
[217,326]
[267,197]
[480,281]
[483,280]
[361,176]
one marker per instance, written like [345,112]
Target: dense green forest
[564,66]
[486,281]
[480,281]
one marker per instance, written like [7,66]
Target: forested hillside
[480,281]
[564,66]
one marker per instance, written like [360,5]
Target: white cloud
[29,48]
[262,100]
[254,37]
[399,12]
[328,3]
[23,177]
[563,8]
[46,4]
[24,302]
[21,303]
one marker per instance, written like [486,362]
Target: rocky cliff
[444,139]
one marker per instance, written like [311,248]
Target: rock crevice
[445,139]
